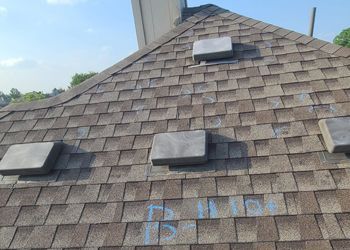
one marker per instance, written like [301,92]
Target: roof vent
[336,134]
[30,159]
[179,148]
[212,49]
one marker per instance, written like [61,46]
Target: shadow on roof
[224,154]
[73,164]
[243,52]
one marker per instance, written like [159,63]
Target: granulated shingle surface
[264,186]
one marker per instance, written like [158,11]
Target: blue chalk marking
[149,223]
[171,229]
[150,211]
[302,96]
[311,109]
[189,226]
[200,210]
[149,226]
[272,207]
[268,44]
[275,104]
[169,215]
[233,205]
[332,109]
[280,131]
[209,98]
[253,207]
[213,212]
[217,122]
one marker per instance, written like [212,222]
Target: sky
[44,42]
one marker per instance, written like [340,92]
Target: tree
[80,77]
[31,96]
[56,91]
[343,38]
[15,94]
[4,99]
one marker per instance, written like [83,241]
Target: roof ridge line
[105,74]
[324,46]
[209,9]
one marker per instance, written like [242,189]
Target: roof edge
[102,76]
[327,47]
[203,13]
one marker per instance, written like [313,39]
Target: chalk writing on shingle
[213,213]
[217,122]
[253,207]
[279,131]
[208,99]
[275,103]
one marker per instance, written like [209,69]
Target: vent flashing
[30,159]
[336,134]
[334,158]
[212,49]
[215,62]
[179,148]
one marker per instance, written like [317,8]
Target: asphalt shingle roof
[264,187]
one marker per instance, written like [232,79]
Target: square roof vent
[30,159]
[212,49]
[336,134]
[179,148]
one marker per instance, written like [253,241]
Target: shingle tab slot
[179,148]
[30,159]
[336,134]
[211,49]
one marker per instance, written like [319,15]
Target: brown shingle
[84,193]
[64,214]
[216,231]
[302,203]
[70,236]
[25,196]
[137,191]
[8,215]
[101,213]
[106,235]
[32,215]
[139,211]
[199,188]
[169,189]
[261,112]
[53,195]
[186,233]
[6,235]
[329,226]
[34,237]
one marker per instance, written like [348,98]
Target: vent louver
[179,148]
[30,159]
[212,49]
[336,134]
